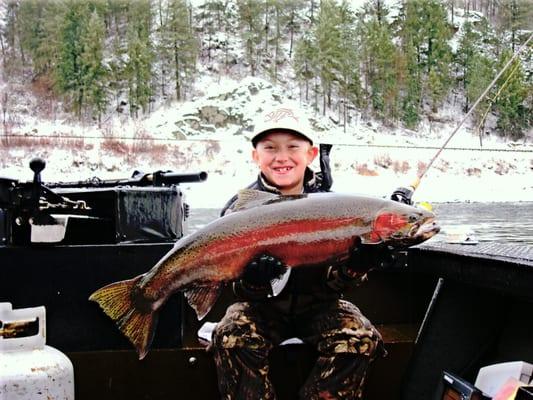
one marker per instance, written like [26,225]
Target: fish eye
[413,218]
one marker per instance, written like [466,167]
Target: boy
[309,306]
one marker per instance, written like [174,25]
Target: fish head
[400,225]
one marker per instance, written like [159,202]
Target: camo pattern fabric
[346,342]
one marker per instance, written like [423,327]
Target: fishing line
[493,100]
[415,184]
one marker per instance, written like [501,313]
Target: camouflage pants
[346,342]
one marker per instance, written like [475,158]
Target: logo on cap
[279,114]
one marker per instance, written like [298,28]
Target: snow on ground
[211,133]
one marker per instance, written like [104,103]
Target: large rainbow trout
[298,230]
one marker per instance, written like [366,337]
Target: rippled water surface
[490,222]
[497,222]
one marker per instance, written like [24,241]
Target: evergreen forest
[396,61]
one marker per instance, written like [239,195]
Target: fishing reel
[403,195]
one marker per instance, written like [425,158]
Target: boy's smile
[283,158]
[283,170]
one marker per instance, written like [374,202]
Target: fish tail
[118,303]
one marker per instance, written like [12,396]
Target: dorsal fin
[249,198]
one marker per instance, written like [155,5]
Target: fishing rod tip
[415,183]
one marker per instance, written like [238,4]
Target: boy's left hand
[365,257]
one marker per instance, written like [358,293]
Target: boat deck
[509,253]
[479,313]
[444,307]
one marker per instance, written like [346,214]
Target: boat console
[146,208]
[444,307]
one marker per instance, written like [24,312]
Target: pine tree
[12,61]
[283,17]
[328,39]
[425,30]
[251,23]
[211,22]
[412,95]
[511,99]
[481,75]
[439,55]
[346,69]
[182,44]
[381,60]
[94,74]
[293,10]
[163,58]
[305,53]
[514,17]
[31,32]
[138,70]
[116,18]
[69,69]
[305,56]
[278,20]
[464,56]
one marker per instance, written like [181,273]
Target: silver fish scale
[313,207]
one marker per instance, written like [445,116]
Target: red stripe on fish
[282,230]
[309,253]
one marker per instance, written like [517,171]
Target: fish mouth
[418,233]
[426,230]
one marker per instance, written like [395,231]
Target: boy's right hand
[260,271]
[255,282]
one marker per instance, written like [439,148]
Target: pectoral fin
[202,298]
[278,284]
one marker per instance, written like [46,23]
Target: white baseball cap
[285,117]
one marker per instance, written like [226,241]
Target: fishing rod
[403,194]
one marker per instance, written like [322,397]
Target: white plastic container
[491,378]
[30,370]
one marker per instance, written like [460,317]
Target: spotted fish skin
[299,230]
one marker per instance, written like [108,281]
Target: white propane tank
[28,368]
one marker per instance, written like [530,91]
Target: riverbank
[457,176]
[211,133]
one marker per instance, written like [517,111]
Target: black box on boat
[524,393]
[3,227]
[132,214]
[120,214]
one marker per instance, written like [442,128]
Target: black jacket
[307,286]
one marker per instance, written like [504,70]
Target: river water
[488,222]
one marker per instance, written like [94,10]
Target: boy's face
[283,157]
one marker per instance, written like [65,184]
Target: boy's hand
[364,257]
[262,270]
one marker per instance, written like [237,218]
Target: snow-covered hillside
[211,130]
[211,133]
